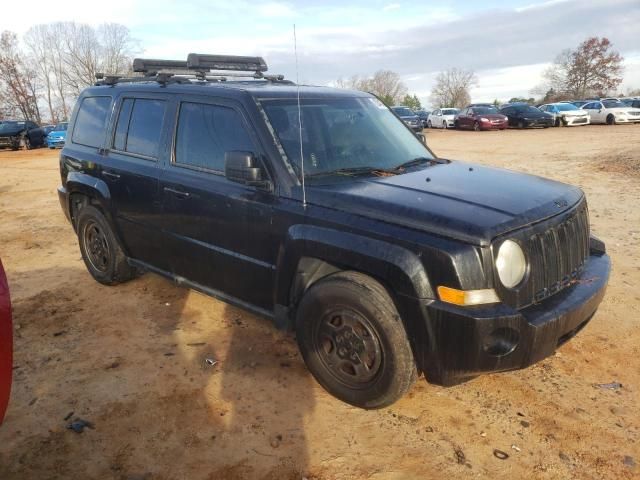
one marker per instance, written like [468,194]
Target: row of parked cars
[17,134]
[486,116]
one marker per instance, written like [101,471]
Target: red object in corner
[6,343]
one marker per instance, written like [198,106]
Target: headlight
[484,119]
[511,264]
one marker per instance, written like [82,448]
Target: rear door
[218,233]
[137,142]
[596,111]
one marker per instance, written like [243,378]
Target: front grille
[580,120]
[557,255]
[556,251]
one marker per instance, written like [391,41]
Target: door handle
[177,193]
[111,175]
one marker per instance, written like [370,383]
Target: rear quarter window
[91,121]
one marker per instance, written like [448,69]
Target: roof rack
[201,67]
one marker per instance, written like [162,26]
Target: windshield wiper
[412,163]
[346,171]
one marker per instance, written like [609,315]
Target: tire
[611,119]
[27,143]
[476,127]
[348,316]
[100,249]
[429,124]
[520,124]
[456,125]
[559,122]
[444,125]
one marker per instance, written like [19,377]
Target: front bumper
[494,125]
[466,342]
[55,142]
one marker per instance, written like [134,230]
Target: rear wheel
[100,249]
[353,340]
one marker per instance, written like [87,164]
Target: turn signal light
[467,297]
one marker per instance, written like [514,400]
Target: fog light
[502,341]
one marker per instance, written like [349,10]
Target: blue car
[57,136]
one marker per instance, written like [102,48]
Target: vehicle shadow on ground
[174,383]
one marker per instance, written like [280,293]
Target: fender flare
[398,268]
[92,187]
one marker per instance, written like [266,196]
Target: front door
[218,233]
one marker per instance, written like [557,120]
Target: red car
[481,118]
[6,344]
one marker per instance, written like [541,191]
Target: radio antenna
[295,50]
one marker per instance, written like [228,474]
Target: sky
[507,43]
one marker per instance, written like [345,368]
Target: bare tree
[592,68]
[452,88]
[81,56]
[117,48]
[18,83]
[386,84]
[37,40]
[595,66]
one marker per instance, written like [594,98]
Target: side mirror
[422,137]
[242,167]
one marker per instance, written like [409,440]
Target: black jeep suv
[320,209]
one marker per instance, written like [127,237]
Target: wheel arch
[310,253]
[87,190]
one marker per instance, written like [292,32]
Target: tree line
[592,68]
[41,76]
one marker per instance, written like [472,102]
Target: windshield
[404,112]
[527,109]
[564,107]
[343,133]
[485,110]
[8,126]
[449,111]
[61,127]
[613,104]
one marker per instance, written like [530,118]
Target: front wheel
[100,249]
[444,125]
[476,127]
[611,119]
[353,340]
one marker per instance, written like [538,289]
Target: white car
[566,114]
[611,112]
[442,118]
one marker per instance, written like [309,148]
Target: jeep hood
[463,201]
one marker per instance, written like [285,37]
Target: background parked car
[14,134]
[525,116]
[566,114]
[611,112]
[6,343]
[631,102]
[442,118]
[57,137]
[424,116]
[409,117]
[47,129]
[481,118]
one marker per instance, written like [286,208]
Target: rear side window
[139,126]
[206,132]
[91,121]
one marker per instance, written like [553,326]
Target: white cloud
[275,9]
[391,6]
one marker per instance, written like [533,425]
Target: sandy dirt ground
[132,359]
